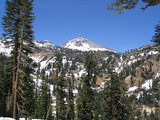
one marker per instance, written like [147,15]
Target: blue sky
[61,20]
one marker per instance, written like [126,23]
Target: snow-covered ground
[7,118]
[148,84]
[132,88]
[2,118]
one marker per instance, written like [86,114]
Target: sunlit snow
[148,84]
[132,88]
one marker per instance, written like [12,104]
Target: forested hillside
[137,70]
[79,80]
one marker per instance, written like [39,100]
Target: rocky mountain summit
[83,44]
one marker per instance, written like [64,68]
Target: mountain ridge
[136,65]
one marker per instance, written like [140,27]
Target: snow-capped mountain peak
[83,44]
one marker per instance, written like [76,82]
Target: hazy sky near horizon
[62,20]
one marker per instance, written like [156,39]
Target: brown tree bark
[18,58]
[14,76]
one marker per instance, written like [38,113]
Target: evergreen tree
[58,78]
[2,87]
[122,5]
[70,102]
[44,109]
[37,89]
[17,25]
[85,103]
[156,96]
[60,100]
[156,92]
[5,85]
[115,103]
[26,96]
[2,92]
[97,104]
[8,85]
[156,37]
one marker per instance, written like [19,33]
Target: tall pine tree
[60,94]
[115,104]
[70,101]
[85,102]
[44,100]
[17,25]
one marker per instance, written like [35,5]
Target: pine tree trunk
[15,69]
[17,75]
[17,12]
[14,77]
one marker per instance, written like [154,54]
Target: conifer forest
[42,81]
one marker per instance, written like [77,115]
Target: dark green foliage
[115,103]
[8,84]
[60,102]
[156,37]
[90,66]
[26,98]
[49,66]
[73,67]
[17,25]
[44,108]
[70,102]
[5,86]
[122,5]
[59,86]
[97,104]
[34,65]
[152,116]
[18,16]
[85,103]
[132,82]
[137,115]
[151,97]
[156,91]
[2,92]
[58,64]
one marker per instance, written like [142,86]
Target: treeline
[21,96]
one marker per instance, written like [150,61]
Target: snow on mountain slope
[44,44]
[83,44]
[4,48]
